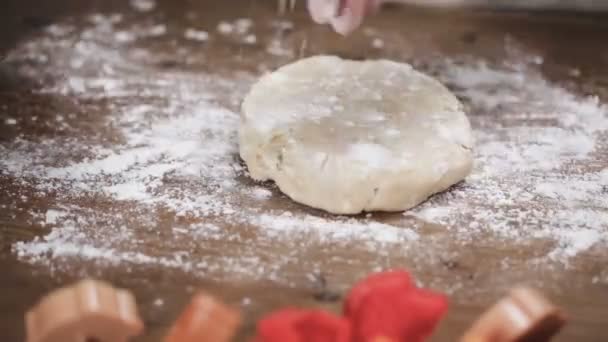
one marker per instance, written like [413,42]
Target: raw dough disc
[348,136]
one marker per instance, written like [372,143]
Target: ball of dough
[348,136]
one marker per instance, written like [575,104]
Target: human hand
[347,15]
[343,15]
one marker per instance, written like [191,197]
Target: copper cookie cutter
[524,315]
[205,319]
[86,311]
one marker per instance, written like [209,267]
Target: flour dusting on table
[165,155]
[528,182]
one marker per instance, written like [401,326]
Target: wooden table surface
[580,285]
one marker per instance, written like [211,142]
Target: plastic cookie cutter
[205,319]
[86,311]
[524,315]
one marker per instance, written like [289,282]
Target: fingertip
[322,11]
[347,23]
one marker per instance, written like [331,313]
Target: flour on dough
[348,136]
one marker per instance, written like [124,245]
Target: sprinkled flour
[199,35]
[167,143]
[529,163]
[177,152]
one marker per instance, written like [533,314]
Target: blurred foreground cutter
[524,315]
[88,310]
[205,320]
[389,307]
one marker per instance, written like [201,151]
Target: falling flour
[174,150]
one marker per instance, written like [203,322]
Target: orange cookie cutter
[87,310]
[205,319]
